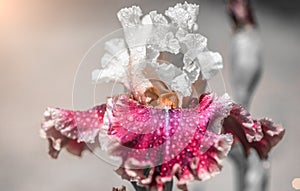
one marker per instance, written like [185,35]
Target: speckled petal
[57,141]
[273,133]
[148,135]
[241,124]
[261,134]
[70,129]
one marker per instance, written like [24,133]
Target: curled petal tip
[260,135]
[64,128]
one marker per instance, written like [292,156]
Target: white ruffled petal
[182,85]
[210,64]
[184,15]
[114,68]
[110,74]
[191,66]
[130,17]
[154,18]
[193,41]
[166,72]
[150,38]
[121,58]
[180,34]
[162,39]
[151,54]
[170,43]
[115,46]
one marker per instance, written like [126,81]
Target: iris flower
[166,125]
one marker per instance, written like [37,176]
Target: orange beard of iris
[160,98]
[169,100]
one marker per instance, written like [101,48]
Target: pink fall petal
[273,133]
[57,141]
[71,129]
[157,144]
[261,134]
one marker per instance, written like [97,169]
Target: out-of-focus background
[42,44]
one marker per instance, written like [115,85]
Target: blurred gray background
[41,45]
